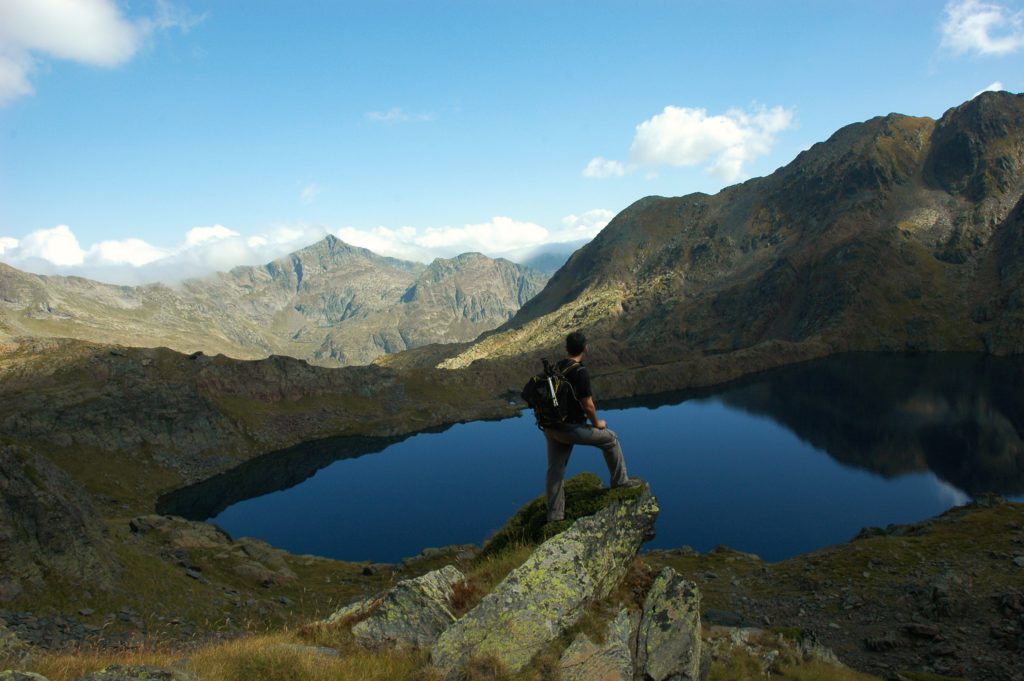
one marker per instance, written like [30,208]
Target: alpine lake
[777,464]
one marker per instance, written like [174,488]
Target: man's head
[575,343]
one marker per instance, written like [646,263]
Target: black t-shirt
[579,379]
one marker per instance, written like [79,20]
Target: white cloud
[681,136]
[57,245]
[985,28]
[499,235]
[309,192]
[585,226]
[87,31]
[398,115]
[7,244]
[199,235]
[994,87]
[600,167]
[135,252]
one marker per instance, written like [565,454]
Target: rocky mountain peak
[891,234]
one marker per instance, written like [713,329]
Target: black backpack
[549,394]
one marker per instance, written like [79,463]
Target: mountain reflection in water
[906,437]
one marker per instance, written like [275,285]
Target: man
[561,438]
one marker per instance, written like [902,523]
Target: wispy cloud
[993,87]
[725,143]
[399,115]
[309,192]
[600,167]
[984,28]
[86,31]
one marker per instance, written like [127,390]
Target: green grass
[584,495]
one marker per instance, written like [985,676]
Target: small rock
[284,600]
[85,612]
[1019,561]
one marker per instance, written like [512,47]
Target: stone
[668,639]
[181,533]
[548,593]
[413,613]
[119,672]
[353,611]
[15,675]
[585,660]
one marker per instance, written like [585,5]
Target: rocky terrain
[895,234]
[940,599]
[330,303]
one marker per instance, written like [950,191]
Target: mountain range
[898,233]
[331,304]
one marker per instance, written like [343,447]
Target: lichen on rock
[668,640]
[547,594]
[413,613]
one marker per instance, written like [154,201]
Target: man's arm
[591,412]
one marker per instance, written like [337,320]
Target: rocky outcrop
[413,613]
[668,639]
[548,593]
[254,560]
[49,529]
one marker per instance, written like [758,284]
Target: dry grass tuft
[465,596]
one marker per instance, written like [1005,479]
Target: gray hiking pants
[560,443]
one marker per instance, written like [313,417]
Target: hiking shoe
[632,482]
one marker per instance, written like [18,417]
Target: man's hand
[600,424]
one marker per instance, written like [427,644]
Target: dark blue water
[782,464]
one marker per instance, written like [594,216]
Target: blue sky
[154,139]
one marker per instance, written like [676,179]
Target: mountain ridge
[897,233]
[330,303]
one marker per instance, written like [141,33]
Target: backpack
[549,394]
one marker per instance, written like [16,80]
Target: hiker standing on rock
[562,436]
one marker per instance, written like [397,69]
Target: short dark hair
[575,343]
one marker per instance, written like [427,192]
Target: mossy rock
[585,495]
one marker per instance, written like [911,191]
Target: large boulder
[413,613]
[547,594]
[668,644]
[585,660]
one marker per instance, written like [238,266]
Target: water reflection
[960,416]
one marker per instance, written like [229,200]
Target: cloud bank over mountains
[208,249]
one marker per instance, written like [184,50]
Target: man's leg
[558,459]
[608,442]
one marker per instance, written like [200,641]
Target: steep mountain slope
[896,233]
[330,303]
